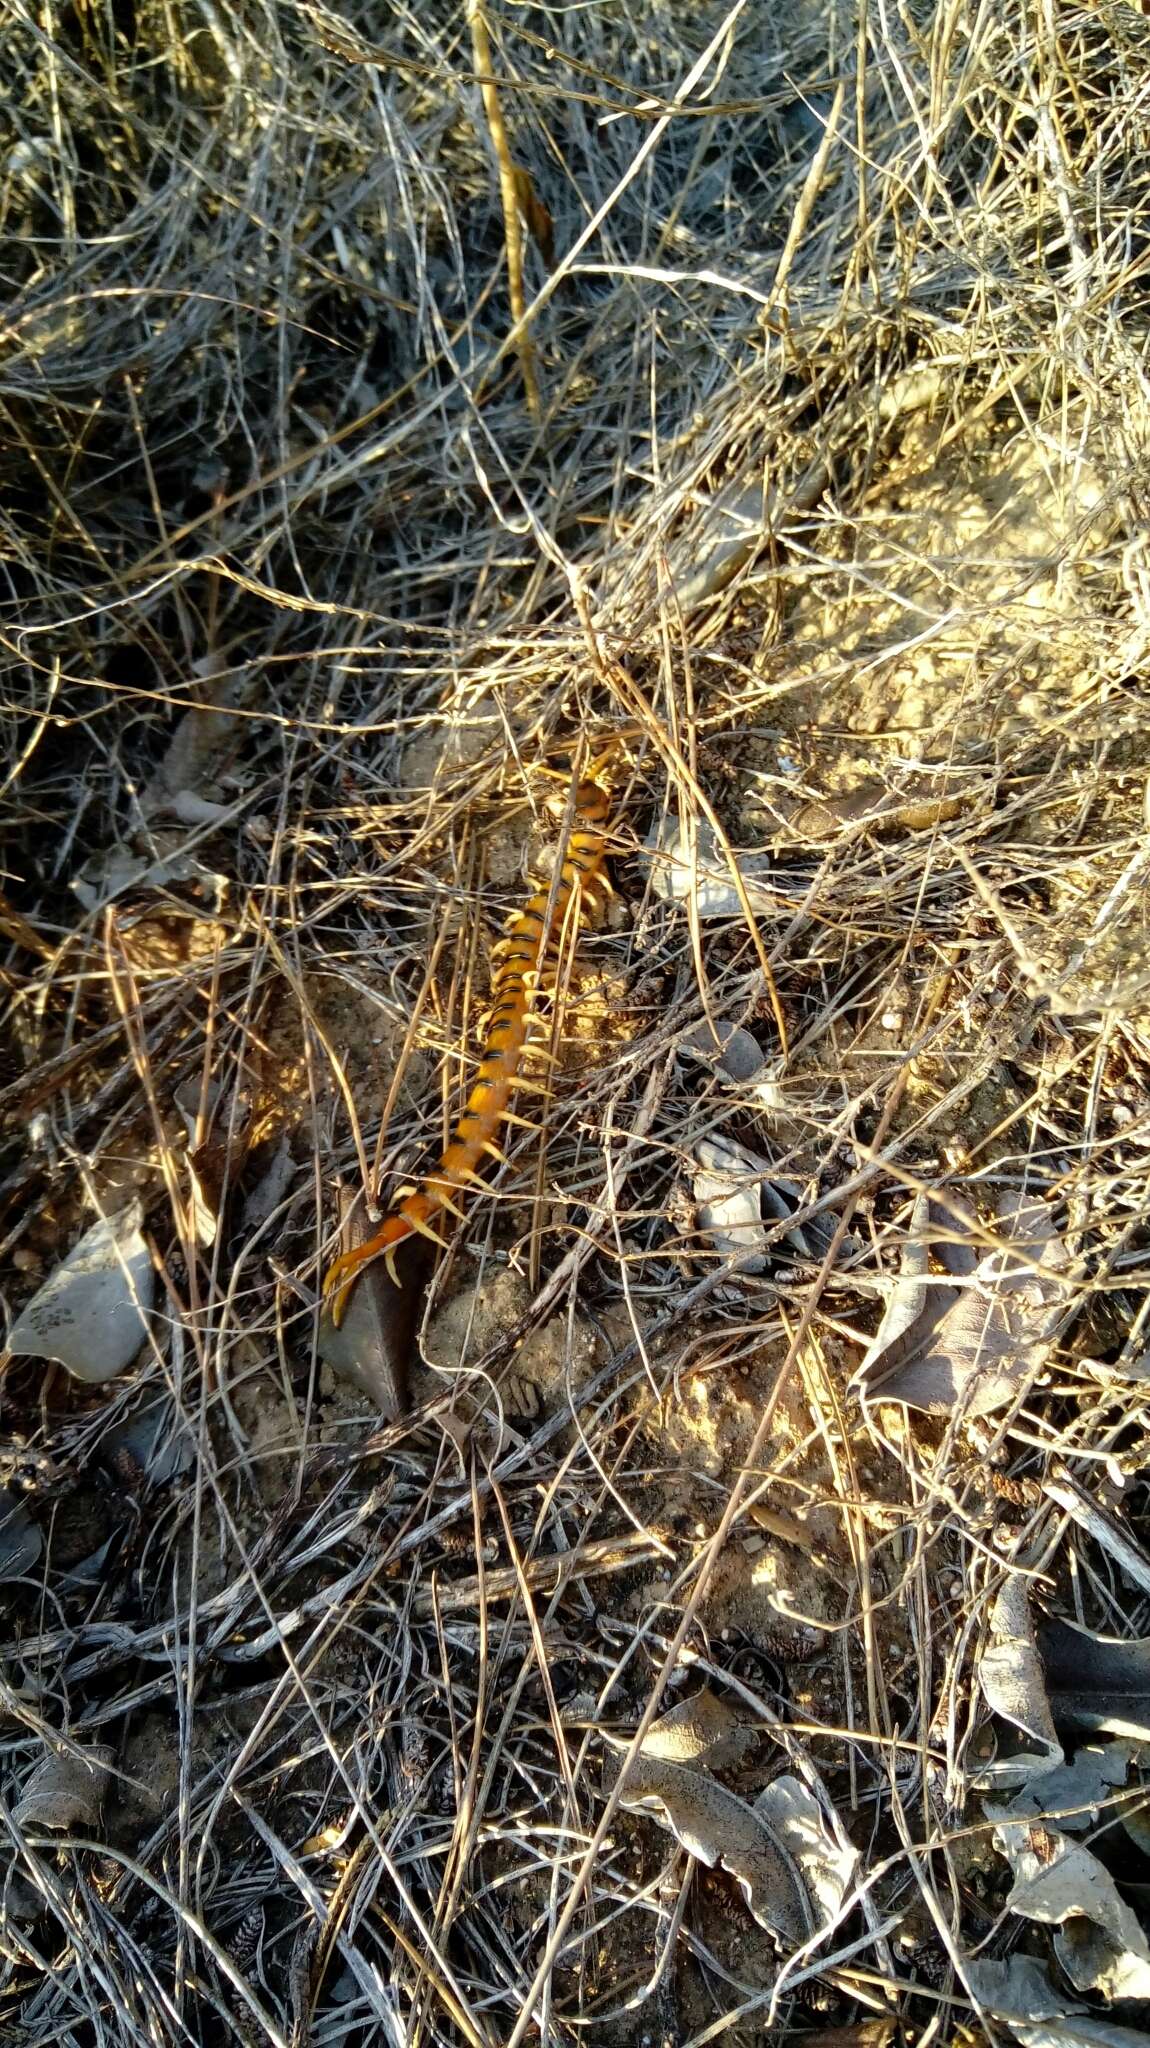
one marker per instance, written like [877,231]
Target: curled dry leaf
[1109,1530]
[826,1865]
[728,1209]
[1098,1939]
[693,869]
[972,1344]
[1082,2032]
[1013,1686]
[1019,1992]
[372,1347]
[1096,1683]
[734,1191]
[792,1872]
[191,809]
[217,1127]
[206,731]
[154,1441]
[92,1314]
[1018,1988]
[702,1729]
[722,1830]
[66,1790]
[271,1188]
[118,872]
[1072,1794]
[907,1301]
[730,1050]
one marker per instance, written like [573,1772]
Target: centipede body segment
[422,1211]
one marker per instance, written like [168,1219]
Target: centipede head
[604,767]
[596,780]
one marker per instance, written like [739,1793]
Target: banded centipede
[533,934]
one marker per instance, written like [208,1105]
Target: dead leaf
[727,1206]
[66,1790]
[1098,1939]
[1072,1794]
[92,1313]
[730,1050]
[202,735]
[373,1346]
[1076,2033]
[155,1441]
[907,1301]
[694,870]
[973,1345]
[222,1118]
[1096,1683]
[1018,1988]
[1109,1530]
[702,1729]
[111,874]
[271,1188]
[734,1190]
[825,1864]
[723,1831]
[1011,1677]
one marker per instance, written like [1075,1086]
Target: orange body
[530,938]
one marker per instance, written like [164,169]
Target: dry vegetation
[816,473]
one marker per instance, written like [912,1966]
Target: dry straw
[339,500]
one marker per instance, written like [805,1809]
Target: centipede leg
[425,1230]
[538,1051]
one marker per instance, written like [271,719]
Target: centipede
[531,939]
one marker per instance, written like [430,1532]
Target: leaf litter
[792,1873]
[92,1314]
[978,1343]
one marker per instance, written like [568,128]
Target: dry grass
[836,481]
